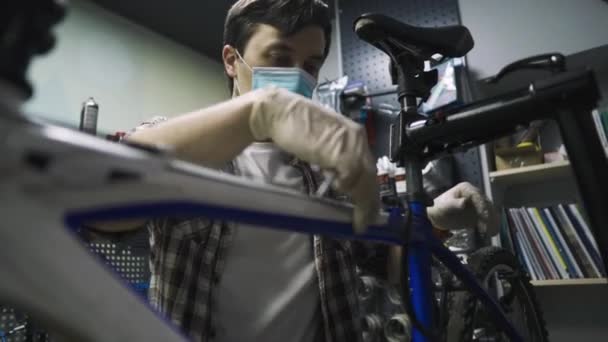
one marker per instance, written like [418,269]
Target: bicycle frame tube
[422,245]
[590,167]
[418,257]
[389,233]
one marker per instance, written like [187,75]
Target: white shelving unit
[535,185]
[571,307]
[541,184]
[574,309]
[531,174]
[570,282]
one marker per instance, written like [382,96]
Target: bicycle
[567,98]
[68,178]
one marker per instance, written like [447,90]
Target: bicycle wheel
[503,277]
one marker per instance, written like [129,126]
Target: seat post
[413,83]
[418,256]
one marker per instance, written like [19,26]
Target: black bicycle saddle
[387,33]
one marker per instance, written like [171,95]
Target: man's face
[268,48]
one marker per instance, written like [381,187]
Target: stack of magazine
[553,242]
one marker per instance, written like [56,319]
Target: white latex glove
[464,206]
[321,136]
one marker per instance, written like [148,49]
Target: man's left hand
[464,206]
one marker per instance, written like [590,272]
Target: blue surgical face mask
[295,80]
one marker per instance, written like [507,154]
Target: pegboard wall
[127,255]
[361,61]
[17,327]
[129,266]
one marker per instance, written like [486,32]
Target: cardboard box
[522,155]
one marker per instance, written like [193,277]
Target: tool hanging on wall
[351,99]
[356,104]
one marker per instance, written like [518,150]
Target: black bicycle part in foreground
[567,98]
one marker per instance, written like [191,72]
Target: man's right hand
[296,124]
[320,136]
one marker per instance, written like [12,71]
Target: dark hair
[288,16]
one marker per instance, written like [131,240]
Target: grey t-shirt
[269,289]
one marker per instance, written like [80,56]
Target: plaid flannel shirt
[187,260]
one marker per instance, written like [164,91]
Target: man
[228,282]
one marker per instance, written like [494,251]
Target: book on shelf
[604,119]
[532,253]
[573,267]
[586,236]
[542,249]
[548,243]
[573,242]
[552,242]
[600,117]
[507,240]
[513,241]
[576,243]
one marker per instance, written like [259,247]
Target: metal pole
[590,168]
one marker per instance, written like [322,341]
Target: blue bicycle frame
[420,245]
